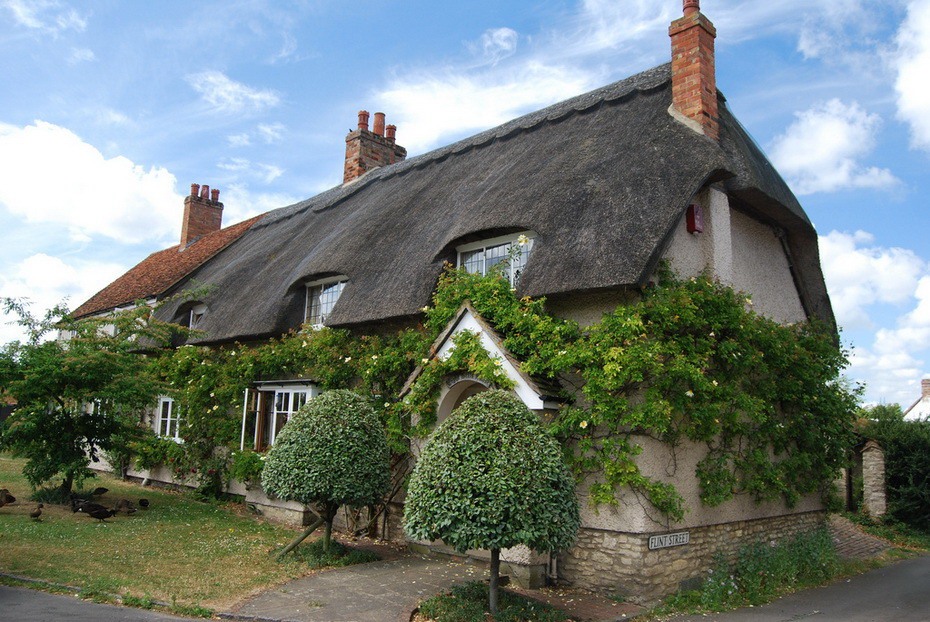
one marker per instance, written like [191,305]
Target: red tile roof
[155,274]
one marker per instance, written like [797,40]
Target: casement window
[321,298]
[197,314]
[167,420]
[267,408]
[508,252]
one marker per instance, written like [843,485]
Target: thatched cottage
[602,187]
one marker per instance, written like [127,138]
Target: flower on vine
[689,393]
[212,395]
[424,361]
[749,301]
[583,425]
[522,240]
[714,382]
[498,362]
[425,309]
[374,357]
[347,359]
[711,334]
[215,407]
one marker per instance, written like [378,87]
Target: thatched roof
[602,179]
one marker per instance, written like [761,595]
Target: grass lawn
[180,550]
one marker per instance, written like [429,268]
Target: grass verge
[899,534]
[196,556]
[760,573]
[469,603]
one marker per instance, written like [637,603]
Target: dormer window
[510,251]
[321,298]
[197,313]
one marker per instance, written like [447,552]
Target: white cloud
[267,173]
[81,55]
[241,203]
[49,175]
[45,15]
[46,281]
[270,132]
[430,107]
[859,275]
[822,149]
[239,140]
[913,66]
[495,44]
[864,280]
[226,95]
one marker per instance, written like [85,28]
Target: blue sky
[112,109]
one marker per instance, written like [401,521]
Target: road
[896,593]
[21,604]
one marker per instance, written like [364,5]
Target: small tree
[333,452]
[77,396]
[490,477]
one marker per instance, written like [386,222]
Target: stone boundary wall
[621,564]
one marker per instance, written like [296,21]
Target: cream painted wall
[740,252]
[677,466]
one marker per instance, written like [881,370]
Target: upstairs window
[510,252]
[197,314]
[321,298]
[168,423]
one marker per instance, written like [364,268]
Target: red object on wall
[695,218]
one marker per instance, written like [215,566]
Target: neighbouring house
[921,408]
[585,198]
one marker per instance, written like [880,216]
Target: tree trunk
[293,545]
[327,535]
[495,579]
[66,485]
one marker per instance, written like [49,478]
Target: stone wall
[621,564]
[873,480]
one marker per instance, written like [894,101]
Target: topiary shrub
[333,452]
[490,477]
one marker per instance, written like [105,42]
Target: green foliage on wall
[689,362]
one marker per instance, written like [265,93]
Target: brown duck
[36,513]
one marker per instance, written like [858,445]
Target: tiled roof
[155,274]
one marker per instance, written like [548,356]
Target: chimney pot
[369,150]
[691,6]
[390,132]
[215,195]
[195,188]
[205,192]
[201,214]
[379,124]
[363,119]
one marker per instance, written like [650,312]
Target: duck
[99,491]
[88,506]
[144,503]
[36,513]
[6,497]
[125,505]
[101,513]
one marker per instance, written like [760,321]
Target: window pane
[494,255]
[473,261]
[321,299]
[300,398]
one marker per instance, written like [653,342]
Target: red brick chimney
[366,150]
[203,214]
[694,85]
[925,387]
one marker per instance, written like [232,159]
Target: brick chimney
[925,387]
[366,150]
[203,214]
[694,85]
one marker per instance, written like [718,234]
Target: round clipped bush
[490,477]
[332,452]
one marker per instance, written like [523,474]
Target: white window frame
[512,272]
[294,396]
[197,313]
[323,285]
[173,419]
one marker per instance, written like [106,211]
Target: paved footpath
[376,592]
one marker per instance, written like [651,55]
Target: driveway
[896,593]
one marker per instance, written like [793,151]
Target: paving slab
[374,592]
